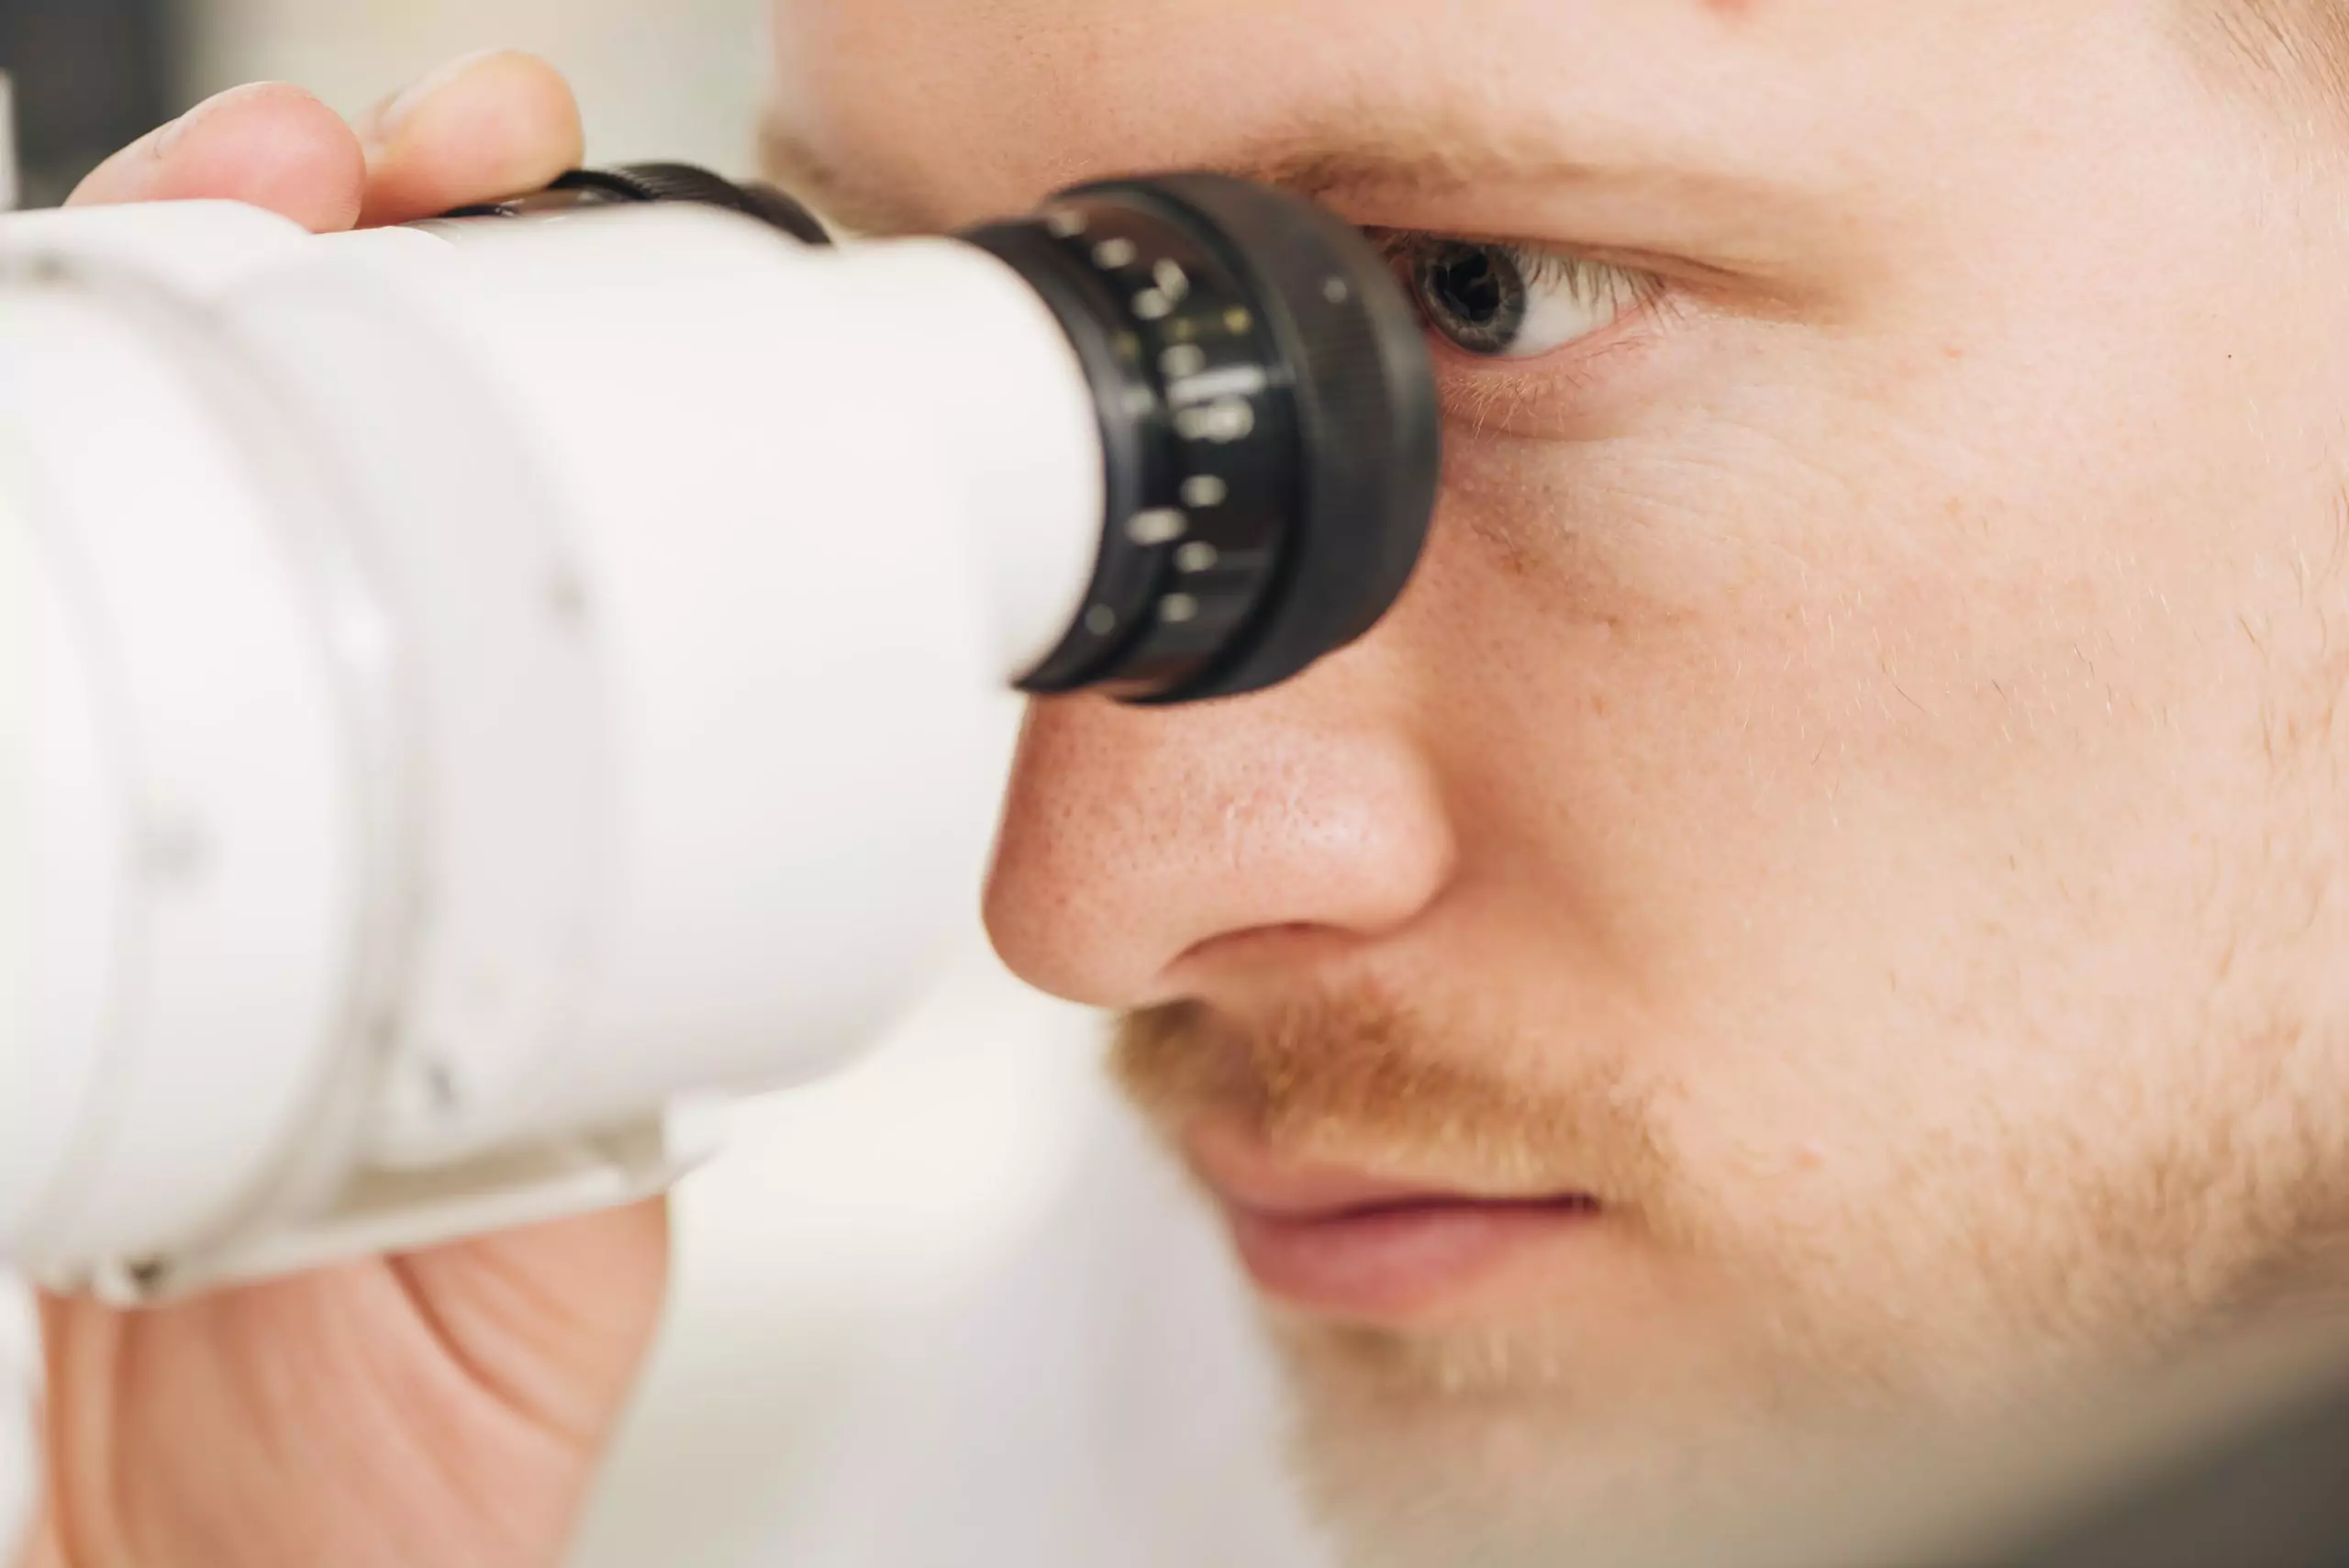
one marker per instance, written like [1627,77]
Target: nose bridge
[1132,837]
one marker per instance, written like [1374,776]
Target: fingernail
[381,125]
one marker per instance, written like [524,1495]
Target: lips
[1353,1245]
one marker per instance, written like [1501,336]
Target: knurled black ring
[1198,432]
[643,183]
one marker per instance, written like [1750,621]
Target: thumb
[480,128]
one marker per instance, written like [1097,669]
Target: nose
[1142,847]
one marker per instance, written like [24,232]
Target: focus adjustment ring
[688,183]
[1269,429]
[639,184]
[1197,423]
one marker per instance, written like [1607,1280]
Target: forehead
[957,107]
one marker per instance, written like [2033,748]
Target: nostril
[1289,944]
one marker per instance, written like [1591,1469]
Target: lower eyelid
[1548,395]
[1488,404]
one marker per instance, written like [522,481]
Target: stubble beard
[1909,1334]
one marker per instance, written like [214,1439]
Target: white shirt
[1104,1401]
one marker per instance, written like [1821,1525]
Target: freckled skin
[1879,738]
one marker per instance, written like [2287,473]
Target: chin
[1487,1450]
[1464,1449]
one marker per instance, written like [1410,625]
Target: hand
[446,1409]
[482,128]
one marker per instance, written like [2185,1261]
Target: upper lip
[1252,1179]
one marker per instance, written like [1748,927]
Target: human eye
[1503,301]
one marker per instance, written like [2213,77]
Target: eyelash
[1588,283]
[1492,390]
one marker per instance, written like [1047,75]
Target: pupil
[1474,294]
[1470,287]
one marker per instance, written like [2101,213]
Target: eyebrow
[1421,150]
[1386,150]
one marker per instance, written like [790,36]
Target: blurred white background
[848,1220]
[678,79]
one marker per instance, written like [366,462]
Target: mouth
[1360,1248]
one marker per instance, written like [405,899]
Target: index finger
[269,145]
[480,128]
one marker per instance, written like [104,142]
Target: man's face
[1826,896]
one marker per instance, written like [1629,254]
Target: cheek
[1898,796]
[1910,827]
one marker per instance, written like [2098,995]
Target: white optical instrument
[479,696]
